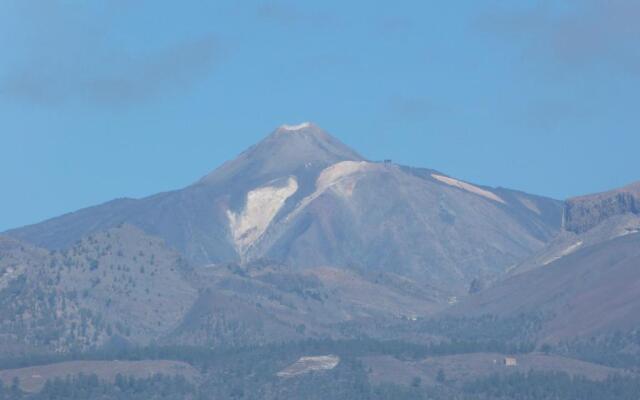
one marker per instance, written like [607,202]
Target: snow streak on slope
[336,172]
[337,177]
[468,187]
[261,207]
[564,252]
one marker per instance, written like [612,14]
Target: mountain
[314,271]
[298,237]
[302,198]
[586,280]
[195,220]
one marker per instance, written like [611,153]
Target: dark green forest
[347,382]
[249,372]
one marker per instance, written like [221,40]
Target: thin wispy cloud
[412,107]
[126,78]
[72,57]
[573,34]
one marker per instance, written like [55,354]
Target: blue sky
[106,99]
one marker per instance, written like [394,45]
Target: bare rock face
[584,213]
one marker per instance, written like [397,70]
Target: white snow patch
[564,252]
[308,364]
[468,187]
[334,173]
[338,177]
[295,127]
[261,207]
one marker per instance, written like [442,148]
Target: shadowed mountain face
[594,290]
[585,212]
[303,198]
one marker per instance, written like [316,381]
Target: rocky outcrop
[584,213]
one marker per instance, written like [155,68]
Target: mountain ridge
[585,212]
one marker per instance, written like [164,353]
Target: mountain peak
[286,151]
[296,128]
[301,129]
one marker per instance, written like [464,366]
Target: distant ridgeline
[584,213]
